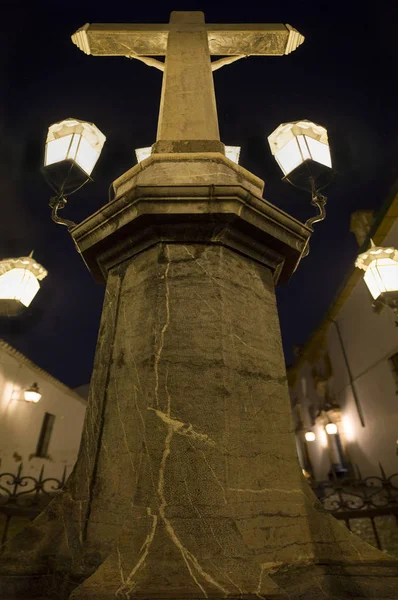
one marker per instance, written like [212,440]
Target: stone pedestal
[187,484]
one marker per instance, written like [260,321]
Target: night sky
[342,77]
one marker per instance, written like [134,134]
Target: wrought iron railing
[357,493]
[26,490]
[23,497]
[368,506]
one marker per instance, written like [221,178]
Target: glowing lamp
[301,149]
[19,283]
[331,428]
[72,150]
[381,270]
[310,436]
[143,153]
[32,394]
[231,152]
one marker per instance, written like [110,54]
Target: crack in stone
[226,576]
[268,568]
[159,350]
[210,276]
[202,519]
[181,428]
[139,412]
[129,583]
[212,472]
[189,559]
[264,490]
[119,558]
[130,453]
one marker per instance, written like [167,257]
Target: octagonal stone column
[187,483]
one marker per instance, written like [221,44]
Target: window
[45,435]
[394,365]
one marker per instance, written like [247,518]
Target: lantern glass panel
[319,152]
[382,276]
[143,153]
[289,157]
[19,284]
[233,153]
[86,156]
[57,150]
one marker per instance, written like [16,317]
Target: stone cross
[187,483]
[188,105]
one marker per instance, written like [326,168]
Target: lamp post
[72,150]
[19,283]
[381,276]
[301,149]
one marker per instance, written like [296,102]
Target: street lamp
[19,283]
[331,428]
[72,150]
[301,149]
[32,394]
[310,436]
[381,275]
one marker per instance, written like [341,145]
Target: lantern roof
[365,259]
[287,131]
[89,131]
[24,262]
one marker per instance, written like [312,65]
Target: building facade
[36,434]
[344,381]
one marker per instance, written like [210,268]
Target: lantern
[310,436]
[231,152]
[381,270]
[143,153]
[32,394]
[331,428]
[301,149]
[19,283]
[72,150]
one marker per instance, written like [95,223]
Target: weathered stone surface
[127,39]
[187,483]
[155,203]
[188,110]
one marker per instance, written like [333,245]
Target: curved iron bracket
[58,203]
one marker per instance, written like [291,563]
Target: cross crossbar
[188,111]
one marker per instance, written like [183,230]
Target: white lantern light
[294,143]
[32,394]
[19,283]
[331,428]
[74,140]
[143,153]
[231,152]
[381,269]
[310,436]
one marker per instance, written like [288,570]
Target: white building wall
[369,340]
[21,421]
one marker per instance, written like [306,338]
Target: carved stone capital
[155,204]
